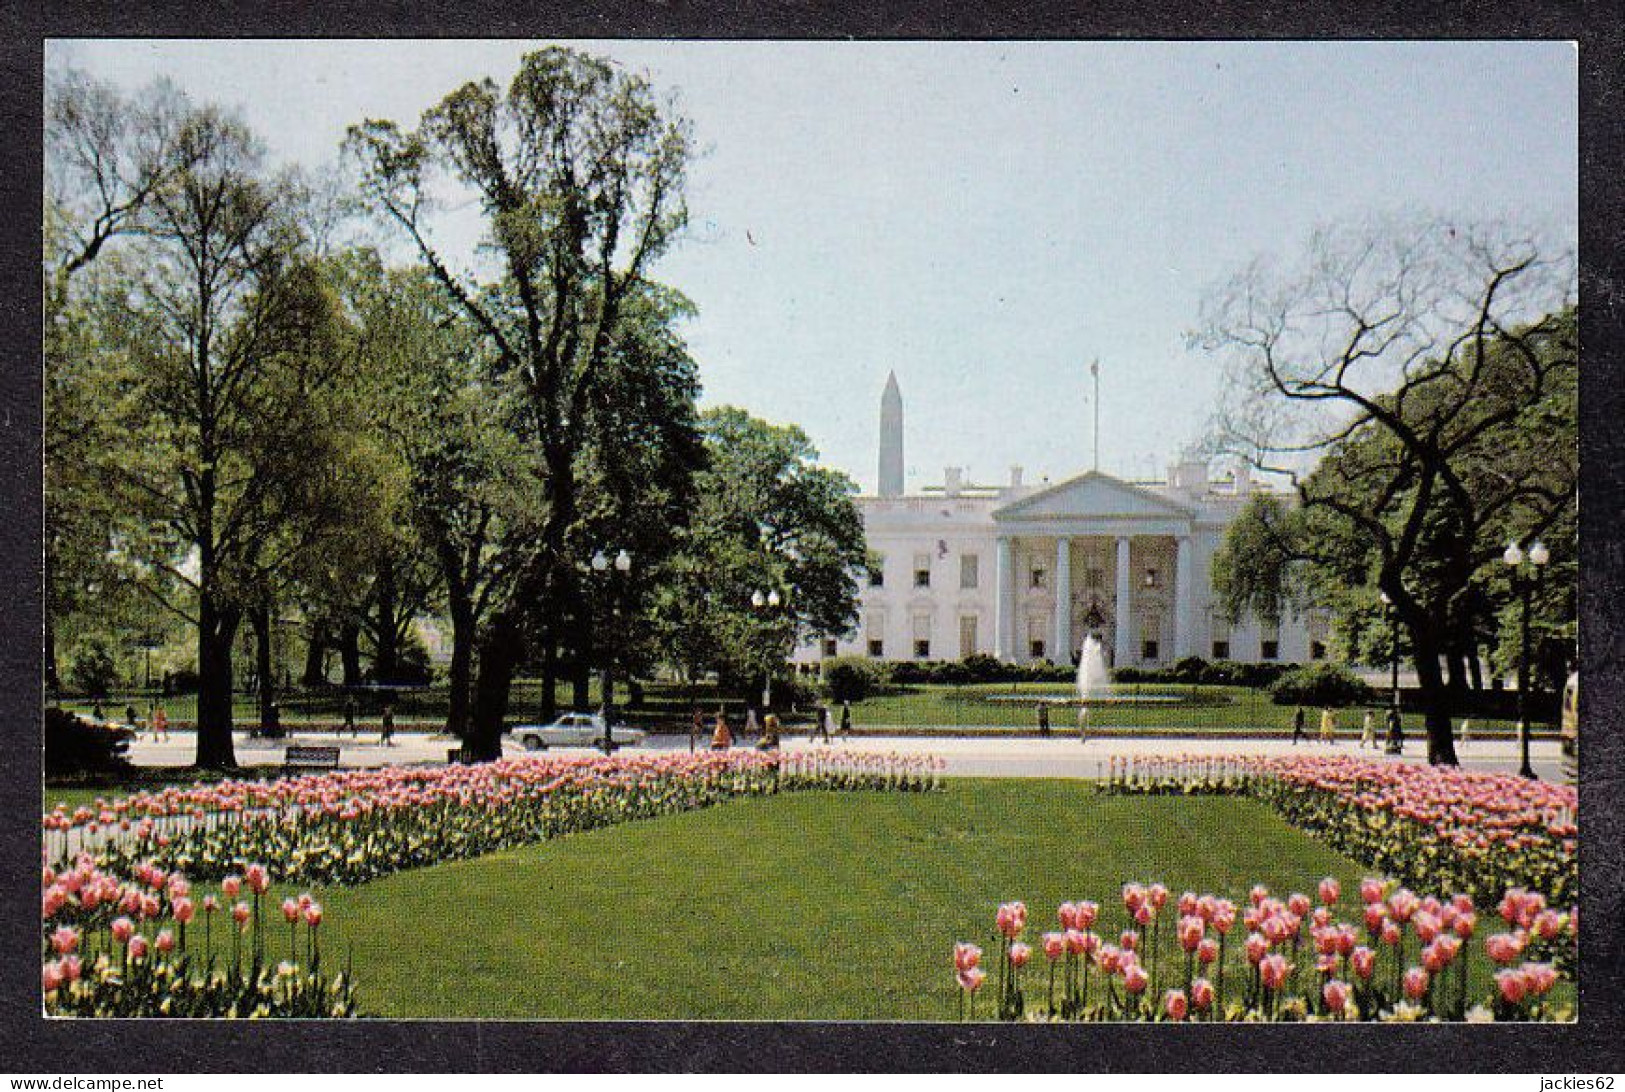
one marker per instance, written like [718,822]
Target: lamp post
[1525,585]
[601,564]
[767,603]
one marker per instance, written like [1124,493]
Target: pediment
[1091,494]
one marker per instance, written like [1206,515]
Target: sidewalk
[966,756]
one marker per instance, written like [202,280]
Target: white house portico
[1027,573]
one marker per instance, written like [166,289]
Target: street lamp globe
[1383,596]
[1539,554]
[758,600]
[1513,554]
[599,562]
[773,598]
[623,562]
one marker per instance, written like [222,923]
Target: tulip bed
[120,947]
[352,826]
[1435,827]
[1401,959]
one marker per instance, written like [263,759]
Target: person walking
[1297,725]
[1328,725]
[1043,718]
[96,711]
[386,731]
[846,718]
[820,724]
[696,729]
[349,715]
[1466,729]
[1368,731]
[129,719]
[752,728]
[1396,732]
[722,739]
[160,723]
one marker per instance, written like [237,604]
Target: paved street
[966,756]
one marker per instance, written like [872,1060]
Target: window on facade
[1221,650]
[1152,578]
[1317,650]
[969,573]
[1038,577]
[877,573]
[877,647]
[967,635]
[922,570]
[922,650]
[829,646]
[1269,650]
[1035,649]
[1148,650]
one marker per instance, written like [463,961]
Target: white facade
[1026,573]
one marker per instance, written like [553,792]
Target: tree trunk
[350,653]
[1475,668]
[315,673]
[1435,696]
[1456,671]
[270,719]
[580,684]
[386,645]
[462,663]
[550,678]
[217,629]
[501,650]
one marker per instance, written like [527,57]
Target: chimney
[953,480]
[1015,477]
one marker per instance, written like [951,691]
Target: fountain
[1094,680]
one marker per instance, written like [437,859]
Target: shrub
[1321,684]
[850,678]
[74,746]
[94,672]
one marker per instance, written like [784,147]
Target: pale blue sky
[984,218]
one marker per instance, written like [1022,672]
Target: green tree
[1406,358]
[767,518]
[579,173]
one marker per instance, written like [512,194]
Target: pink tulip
[966,956]
[231,886]
[1191,929]
[64,940]
[1175,1005]
[1257,947]
[1075,942]
[1207,951]
[1273,971]
[1068,913]
[1391,934]
[138,947]
[1011,919]
[1258,894]
[1415,983]
[971,979]
[240,913]
[1426,926]
[165,942]
[1371,890]
[1144,914]
[290,911]
[183,910]
[1547,924]
[1158,895]
[1088,913]
[1019,953]
[51,976]
[1201,995]
[72,967]
[1540,977]
[1129,941]
[1298,904]
[1336,995]
[1464,924]
[122,928]
[1512,985]
[1135,979]
[1054,945]
[1375,914]
[1224,917]
[1188,904]
[1330,890]
[1504,947]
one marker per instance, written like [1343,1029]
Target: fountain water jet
[1094,679]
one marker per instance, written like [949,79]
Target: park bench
[296,759]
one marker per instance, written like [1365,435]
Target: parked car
[574,730]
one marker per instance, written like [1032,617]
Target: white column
[1183,623]
[1125,606]
[1004,602]
[1062,652]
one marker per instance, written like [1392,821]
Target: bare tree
[1409,350]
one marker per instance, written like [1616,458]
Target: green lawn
[803,906]
[1222,709]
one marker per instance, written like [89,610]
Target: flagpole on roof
[1094,370]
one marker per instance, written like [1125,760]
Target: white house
[1025,573]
